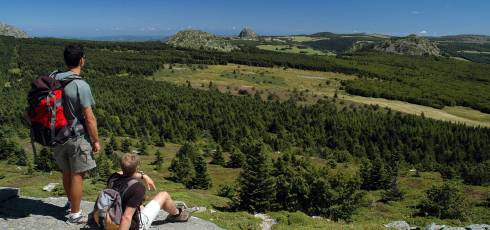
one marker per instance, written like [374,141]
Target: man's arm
[91,125]
[126,218]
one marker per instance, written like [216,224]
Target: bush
[447,201]
[228,191]
[44,161]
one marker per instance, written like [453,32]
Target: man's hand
[149,182]
[96,147]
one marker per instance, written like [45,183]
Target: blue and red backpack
[49,125]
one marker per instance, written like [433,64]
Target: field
[292,49]
[313,84]
[372,215]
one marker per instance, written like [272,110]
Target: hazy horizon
[157,18]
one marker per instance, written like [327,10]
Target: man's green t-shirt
[77,95]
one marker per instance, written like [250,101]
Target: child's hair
[129,163]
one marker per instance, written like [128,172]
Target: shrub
[447,201]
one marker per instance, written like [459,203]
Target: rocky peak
[197,39]
[8,30]
[248,33]
[410,45]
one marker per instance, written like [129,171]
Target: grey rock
[248,33]
[48,213]
[478,227]
[50,187]
[399,225]
[8,30]
[411,45]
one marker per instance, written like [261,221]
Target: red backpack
[49,125]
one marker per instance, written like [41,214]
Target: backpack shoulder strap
[131,182]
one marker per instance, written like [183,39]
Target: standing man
[76,156]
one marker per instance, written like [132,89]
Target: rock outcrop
[196,39]
[8,30]
[48,213]
[411,45]
[248,34]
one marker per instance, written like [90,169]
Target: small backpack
[49,125]
[108,210]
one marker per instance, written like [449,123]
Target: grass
[312,84]
[292,49]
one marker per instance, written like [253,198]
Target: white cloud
[416,12]
[423,32]
[233,28]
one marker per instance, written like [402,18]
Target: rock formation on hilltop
[8,30]
[248,33]
[410,45]
[196,39]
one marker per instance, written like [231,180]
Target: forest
[130,105]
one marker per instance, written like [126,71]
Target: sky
[93,18]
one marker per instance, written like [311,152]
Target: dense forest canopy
[129,105]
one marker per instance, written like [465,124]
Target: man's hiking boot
[77,218]
[183,216]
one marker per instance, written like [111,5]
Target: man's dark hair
[73,54]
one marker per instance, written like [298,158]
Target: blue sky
[86,18]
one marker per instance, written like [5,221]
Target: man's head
[129,163]
[74,56]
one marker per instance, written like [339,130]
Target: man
[134,215]
[76,156]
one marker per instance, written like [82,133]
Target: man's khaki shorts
[75,155]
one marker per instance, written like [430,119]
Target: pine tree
[161,141]
[201,179]
[103,167]
[256,185]
[393,193]
[158,160]
[114,143]
[30,167]
[143,148]
[45,161]
[218,158]
[365,172]
[181,168]
[109,150]
[237,159]
[126,145]
[21,157]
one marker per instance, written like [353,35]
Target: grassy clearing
[314,85]
[452,114]
[292,49]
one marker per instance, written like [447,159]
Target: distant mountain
[123,38]
[197,39]
[248,33]
[8,30]
[410,45]
[466,38]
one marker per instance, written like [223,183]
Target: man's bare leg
[166,203]
[67,184]
[76,191]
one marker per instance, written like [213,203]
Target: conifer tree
[218,158]
[126,145]
[44,161]
[256,185]
[181,170]
[161,141]
[103,167]
[237,159]
[114,143]
[393,193]
[109,149]
[201,179]
[30,167]
[143,148]
[158,160]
